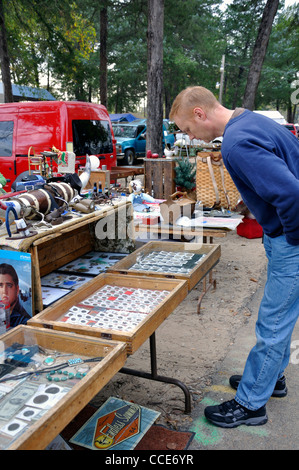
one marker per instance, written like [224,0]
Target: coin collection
[76,273]
[167,262]
[115,307]
[26,392]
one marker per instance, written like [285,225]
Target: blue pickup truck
[131,140]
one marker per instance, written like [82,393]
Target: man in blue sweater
[262,158]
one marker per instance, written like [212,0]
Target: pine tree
[185,173]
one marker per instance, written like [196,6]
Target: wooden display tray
[44,430]
[178,290]
[212,255]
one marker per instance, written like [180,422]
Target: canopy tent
[275,115]
[27,93]
[122,117]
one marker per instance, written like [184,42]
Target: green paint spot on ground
[209,401]
[254,430]
[206,434]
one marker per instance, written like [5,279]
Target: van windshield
[91,137]
[6,134]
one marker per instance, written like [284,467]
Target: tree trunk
[155,31]
[167,102]
[4,58]
[291,112]
[259,52]
[103,56]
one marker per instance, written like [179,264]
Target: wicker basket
[228,195]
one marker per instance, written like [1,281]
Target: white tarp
[275,115]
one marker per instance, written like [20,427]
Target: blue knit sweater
[262,158]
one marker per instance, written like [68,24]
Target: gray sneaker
[231,414]
[279,391]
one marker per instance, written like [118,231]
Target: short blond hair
[191,97]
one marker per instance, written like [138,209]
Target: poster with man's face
[16,285]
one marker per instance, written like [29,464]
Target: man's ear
[199,113]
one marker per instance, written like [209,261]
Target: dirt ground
[190,345]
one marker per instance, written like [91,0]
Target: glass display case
[187,261]
[114,306]
[46,378]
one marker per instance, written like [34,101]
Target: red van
[292,128]
[44,124]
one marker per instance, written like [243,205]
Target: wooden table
[64,243]
[178,232]
[118,172]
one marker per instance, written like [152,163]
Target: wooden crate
[98,177]
[51,316]
[212,255]
[41,432]
[159,177]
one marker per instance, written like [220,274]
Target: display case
[118,307]
[190,262]
[46,378]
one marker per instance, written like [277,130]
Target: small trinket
[49,360]
[74,361]
[64,375]
[25,351]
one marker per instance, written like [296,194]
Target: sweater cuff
[292,241]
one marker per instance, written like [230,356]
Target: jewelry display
[32,380]
[64,375]
[49,360]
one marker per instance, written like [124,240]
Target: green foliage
[281,64]
[193,45]
[185,173]
[240,25]
[60,40]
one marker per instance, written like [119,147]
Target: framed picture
[16,285]
[117,425]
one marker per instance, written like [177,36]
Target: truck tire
[129,158]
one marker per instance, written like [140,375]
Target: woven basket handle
[216,160]
[178,194]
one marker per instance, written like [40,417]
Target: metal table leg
[159,378]
[211,283]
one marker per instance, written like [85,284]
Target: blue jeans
[278,313]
